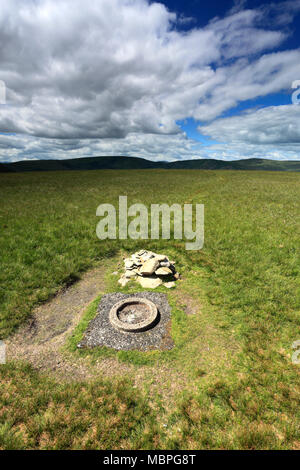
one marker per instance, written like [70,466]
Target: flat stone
[147,256]
[130,274]
[177,275]
[149,267]
[165,264]
[123,281]
[137,272]
[161,257]
[150,282]
[163,272]
[169,285]
[128,263]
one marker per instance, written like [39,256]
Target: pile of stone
[150,270]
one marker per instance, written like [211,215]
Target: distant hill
[248,164]
[4,168]
[90,163]
[133,163]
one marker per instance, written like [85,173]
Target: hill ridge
[137,163]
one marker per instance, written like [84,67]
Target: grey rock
[150,282]
[169,285]
[161,257]
[129,274]
[163,272]
[149,267]
[123,281]
[165,264]
[129,264]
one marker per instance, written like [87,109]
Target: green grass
[78,416]
[242,392]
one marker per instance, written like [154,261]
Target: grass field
[229,383]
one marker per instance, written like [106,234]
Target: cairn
[150,270]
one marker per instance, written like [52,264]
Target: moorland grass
[246,280]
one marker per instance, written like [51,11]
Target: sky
[168,80]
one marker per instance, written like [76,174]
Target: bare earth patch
[40,341]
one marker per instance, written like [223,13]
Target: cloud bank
[114,77]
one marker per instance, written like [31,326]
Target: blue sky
[192,128]
[161,80]
[199,17]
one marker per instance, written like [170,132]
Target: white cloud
[149,146]
[278,125]
[156,147]
[114,76]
